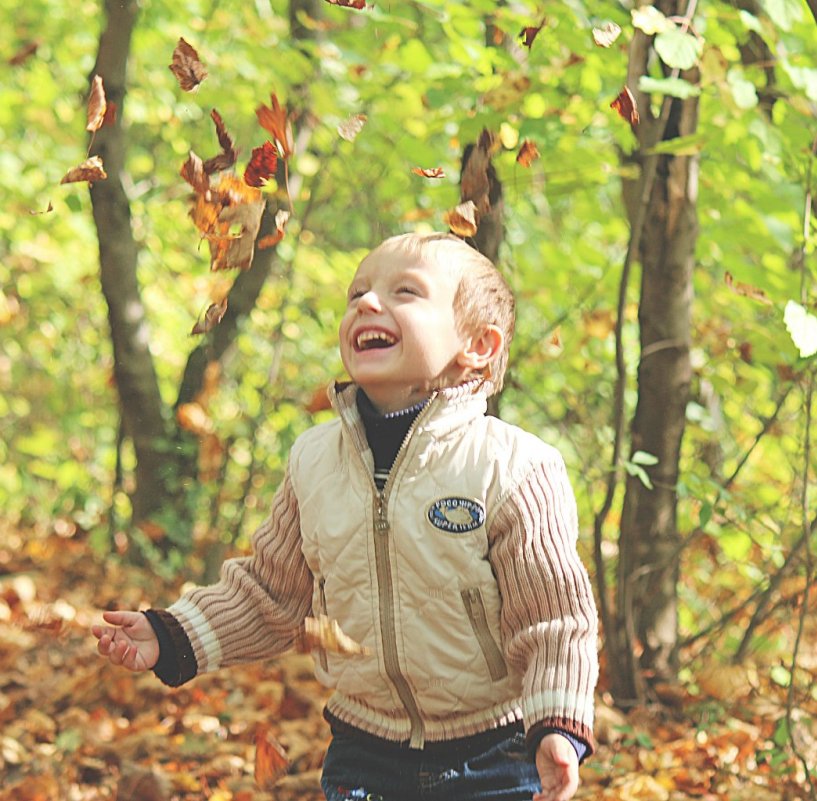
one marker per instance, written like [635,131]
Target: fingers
[121,618]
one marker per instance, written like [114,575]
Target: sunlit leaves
[802,326]
[187,68]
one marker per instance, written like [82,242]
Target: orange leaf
[433,172]
[281,219]
[528,153]
[97,105]
[262,165]
[192,417]
[624,104]
[351,127]
[605,36]
[746,290]
[358,4]
[187,68]
[193,172]
[228,155]
[23,54]
[90,170]
[275,121]
[527,35]
[271,761]
[463,220]
[212,317]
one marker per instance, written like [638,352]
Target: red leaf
[187,68]
[433,172]
[624,104]
[528,153]
[262,165]
[275,121]
[228,155]
[527,35]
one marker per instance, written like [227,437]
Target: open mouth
[374,340]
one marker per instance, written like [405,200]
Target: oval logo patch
[456,515]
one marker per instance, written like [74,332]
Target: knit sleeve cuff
[580,737]
[177,662]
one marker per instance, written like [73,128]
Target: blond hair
[483,296]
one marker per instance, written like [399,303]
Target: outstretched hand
[129,641]
[558,768]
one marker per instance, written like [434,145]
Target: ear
[481,348]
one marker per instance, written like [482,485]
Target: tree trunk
[649,542]
[140,401]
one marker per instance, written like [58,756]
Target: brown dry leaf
[432,172]
[193,172]
[358,4]
[228,155]
[24,53]
[97,105]
[463,220]
[323,632]
[271,761]
[281,220]
[276,121]
[528,153]
[747,290]
[262,165]
[527,35]
[351,127]
[50,208]
[474,183]
[90,170]
[212,317]
[187,68]
[606,35]
[624,104]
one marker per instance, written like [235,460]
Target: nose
[369,302]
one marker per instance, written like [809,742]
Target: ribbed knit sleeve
[257,608]
[549,620]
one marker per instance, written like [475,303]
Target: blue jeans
[355,770]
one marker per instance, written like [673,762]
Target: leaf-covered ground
[73,728]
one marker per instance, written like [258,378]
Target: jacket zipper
[385,586]
[474,606]
[322,655]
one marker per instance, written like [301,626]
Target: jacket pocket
[322,656]
[474,606]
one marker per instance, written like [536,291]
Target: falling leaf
[262,165]
[323,632]
[276,122]
[432,172]
[50,208]
[212,317]
[193,172]
[463,220]
[97,105]
[271,762]
[527,35]
[228,155]
[187,68]
[624,104]
[110,115]
[351,127]
[606,35]
[24,53]
[650,20]
[528,153]
[358,4]
[281,219]
[746,290]
[90,170]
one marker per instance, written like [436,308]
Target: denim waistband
[457,748]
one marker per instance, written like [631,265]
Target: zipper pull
[382,523]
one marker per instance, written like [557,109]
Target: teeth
[365,337]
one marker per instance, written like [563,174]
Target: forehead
[431,261]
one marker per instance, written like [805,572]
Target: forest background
[660,241]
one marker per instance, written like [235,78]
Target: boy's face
[399,337]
